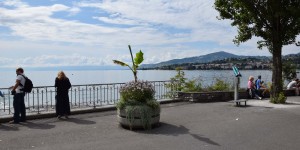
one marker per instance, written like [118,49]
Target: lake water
[108,94]
[207,77]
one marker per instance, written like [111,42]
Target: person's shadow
[8,127]
[35,125]
[80,121]
[172,130]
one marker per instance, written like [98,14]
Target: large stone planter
[136,121]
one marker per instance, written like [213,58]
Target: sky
[46,33]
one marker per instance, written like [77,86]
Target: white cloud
[14,3]
[120,21]
[52,60]
[160,28]
[74,10]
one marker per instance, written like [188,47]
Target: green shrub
[278,99]
[193,86]
[178,81]
[220,85]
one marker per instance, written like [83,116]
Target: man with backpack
[19,94]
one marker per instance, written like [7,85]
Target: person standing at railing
[18,103]
[62,84]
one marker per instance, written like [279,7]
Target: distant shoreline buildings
[226,64]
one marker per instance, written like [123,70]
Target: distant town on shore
[222,61]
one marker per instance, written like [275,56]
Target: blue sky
[41,33]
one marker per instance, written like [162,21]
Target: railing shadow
[172,130]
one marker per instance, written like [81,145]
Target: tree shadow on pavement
[80,121]
[204,139]
[292,103]
[8,127]
[172,130]
[34,125]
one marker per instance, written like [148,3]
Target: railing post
[86,97]
[94,96]
[4,103]
[107,94]
[33,107]
[38,100]
[97,94]
[46,89]
[42,99]
[72,96]
[100,95]
[51,93]
[90,94]
[79,96]
[75,97]
[9,110]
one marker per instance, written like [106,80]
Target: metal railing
[42,99]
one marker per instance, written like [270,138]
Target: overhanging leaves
[120,63]
[139,58]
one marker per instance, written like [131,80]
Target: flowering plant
[137,98]
[137,93]
[140,91]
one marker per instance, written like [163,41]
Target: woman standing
[62,84]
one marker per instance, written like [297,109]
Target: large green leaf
[120,63]
[139,58]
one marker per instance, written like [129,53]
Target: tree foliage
[289,71]
[277,22]
[262,18]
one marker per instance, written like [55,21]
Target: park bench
[238,102]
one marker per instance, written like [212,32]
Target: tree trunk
[277,71]
[276,49]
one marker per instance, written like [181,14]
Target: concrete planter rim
[137,122]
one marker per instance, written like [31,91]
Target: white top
[291,85]
[22,81]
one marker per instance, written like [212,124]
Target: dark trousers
[19,107]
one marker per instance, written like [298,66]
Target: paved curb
[80,111]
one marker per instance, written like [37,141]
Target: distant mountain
[292,55]
[200,59]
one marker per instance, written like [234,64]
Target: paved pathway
[184,126]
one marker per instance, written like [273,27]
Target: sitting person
[260,87]
[295,84]
[251,88]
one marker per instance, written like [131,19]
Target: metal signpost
[237,85]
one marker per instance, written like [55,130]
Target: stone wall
[219,96]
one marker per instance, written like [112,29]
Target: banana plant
[139,58]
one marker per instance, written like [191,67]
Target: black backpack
[255,83]
[27,88]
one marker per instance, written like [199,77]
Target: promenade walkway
[184,126]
